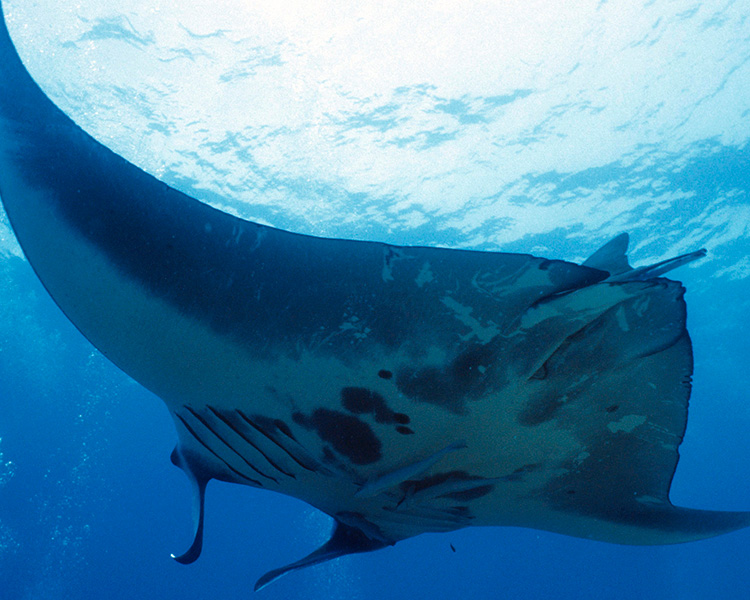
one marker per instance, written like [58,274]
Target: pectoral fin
[344,540]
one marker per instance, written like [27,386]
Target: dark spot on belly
[613,408]
[539,410]
[363,401]
[385,374]
[348,435]
[271,426]
[401,418]
[466,366]
[450,386]
[404,430]
[283,428]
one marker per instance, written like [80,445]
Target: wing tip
[344,540]
[698,524]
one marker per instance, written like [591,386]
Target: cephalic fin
[198,485]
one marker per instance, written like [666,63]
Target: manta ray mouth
[502,389]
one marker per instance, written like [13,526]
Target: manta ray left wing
[400,390]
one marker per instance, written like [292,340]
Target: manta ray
[400,390]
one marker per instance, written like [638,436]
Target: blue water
[91,507]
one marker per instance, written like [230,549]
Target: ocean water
[538,127]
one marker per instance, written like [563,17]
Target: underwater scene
[533,131]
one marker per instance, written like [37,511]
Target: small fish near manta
[400,390]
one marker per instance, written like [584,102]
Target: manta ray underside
[399,390]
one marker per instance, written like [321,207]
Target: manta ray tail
[344,540]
